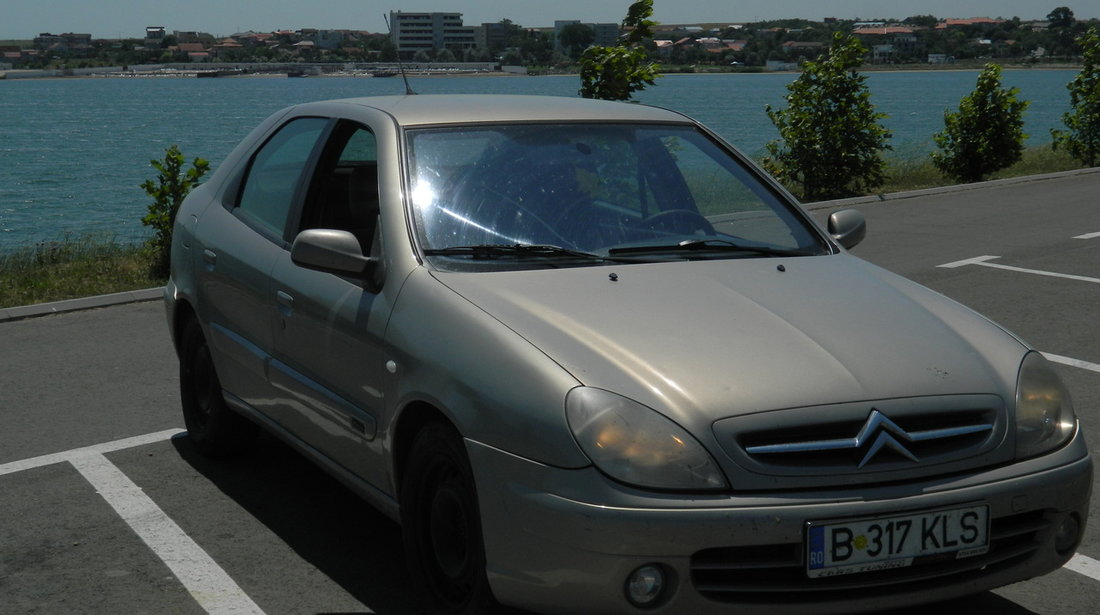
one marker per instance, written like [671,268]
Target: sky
[25,19]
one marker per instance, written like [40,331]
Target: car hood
[703,340]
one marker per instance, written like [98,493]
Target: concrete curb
[84,303]
[44,309]
[897,196]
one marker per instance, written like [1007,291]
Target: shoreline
[316,71]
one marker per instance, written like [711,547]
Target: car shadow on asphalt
[986,602]
[347,540]
[359,548]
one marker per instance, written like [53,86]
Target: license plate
[863,545]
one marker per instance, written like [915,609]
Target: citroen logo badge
[887,436]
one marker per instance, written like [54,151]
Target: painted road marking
[103,449]
[1084,565]
[1088,236]
[207,582]
[984,262]
[1092,367]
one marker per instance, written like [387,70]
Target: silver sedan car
[593,360]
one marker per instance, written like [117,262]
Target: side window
[276,173]
[344,193]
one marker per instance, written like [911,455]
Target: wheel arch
[183,313]
[413,418]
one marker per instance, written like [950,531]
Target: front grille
[865,442]
[836,445]
[771,573]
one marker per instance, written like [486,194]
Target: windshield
[597,191]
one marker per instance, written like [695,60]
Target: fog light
[1069,530]
[645,585]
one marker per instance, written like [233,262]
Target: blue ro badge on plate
[865,545]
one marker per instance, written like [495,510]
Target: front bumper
[565,541]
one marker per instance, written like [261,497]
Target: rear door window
[274,180]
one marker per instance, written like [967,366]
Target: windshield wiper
[707,245]
[490,251]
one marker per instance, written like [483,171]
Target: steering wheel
[683,221]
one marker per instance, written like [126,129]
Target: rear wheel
[441,525]
[215,429]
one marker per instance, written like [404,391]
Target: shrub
[985,135]
[831,141]
[615,73]
[1082,140]
[168,191]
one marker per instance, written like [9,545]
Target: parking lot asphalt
[105,507]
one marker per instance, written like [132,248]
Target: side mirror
[847,227]
[333,251]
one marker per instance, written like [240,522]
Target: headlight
[634,444]
[1044,411]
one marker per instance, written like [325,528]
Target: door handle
[286,302]
[209,257]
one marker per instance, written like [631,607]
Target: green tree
[168,190]
[614,73]
[575,38]
[986,134]
[831,139]
[1082,140]
[924,21]
[1061,17]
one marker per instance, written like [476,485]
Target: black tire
[441,525]
[214,429]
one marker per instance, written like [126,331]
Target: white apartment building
[413,32]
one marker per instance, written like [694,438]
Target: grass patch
[71,268]
[916,172]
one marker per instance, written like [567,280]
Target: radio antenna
[400,65]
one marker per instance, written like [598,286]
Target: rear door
[239,244]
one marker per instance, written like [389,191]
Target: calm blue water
[73,151]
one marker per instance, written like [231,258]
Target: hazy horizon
[25,19]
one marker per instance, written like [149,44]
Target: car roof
[472,108]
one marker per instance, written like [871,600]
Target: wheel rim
[204,385]
[449,529]
[448,533]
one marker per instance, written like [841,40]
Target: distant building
[796,50]
[882,53]
[183,36]
[973,21]
[606,34]
[70,43]
[324,39]
[413,32]
[154,36]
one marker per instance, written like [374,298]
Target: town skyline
[24,19]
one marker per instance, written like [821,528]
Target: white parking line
[1084,565]
[1088,236]
[106,447]
[1092,367]
[207,583]
[984,262]
[215,591]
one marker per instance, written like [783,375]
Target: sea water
[73,152]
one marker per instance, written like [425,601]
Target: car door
[239,245]
[328,359]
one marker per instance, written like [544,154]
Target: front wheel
[441,525]
[215,429]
